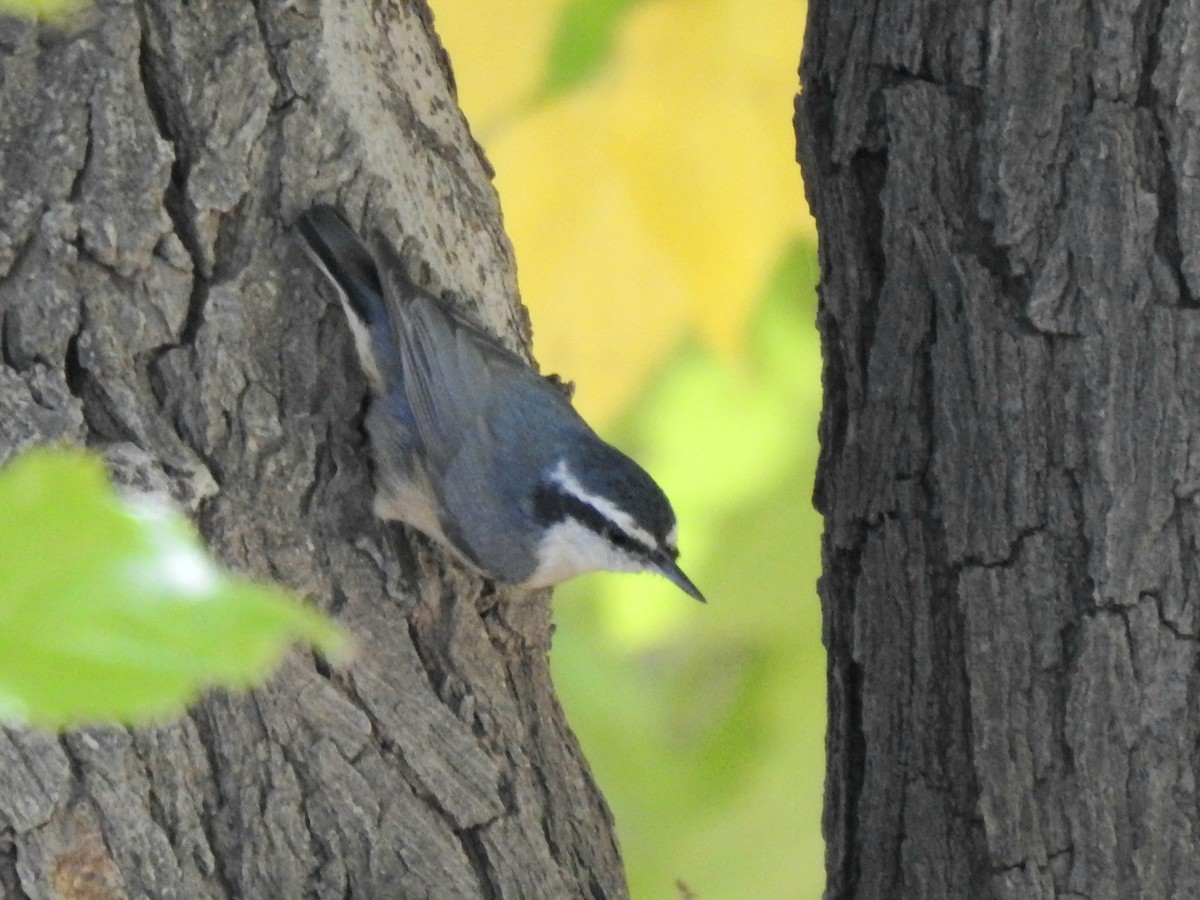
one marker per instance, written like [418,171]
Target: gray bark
[154,306]
[1010,309]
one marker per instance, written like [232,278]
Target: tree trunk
[155,306]
[1010,258]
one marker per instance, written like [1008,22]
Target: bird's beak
[671,571]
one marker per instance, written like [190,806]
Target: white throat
[568,549]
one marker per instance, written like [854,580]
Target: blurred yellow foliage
[650,202]
[504,44]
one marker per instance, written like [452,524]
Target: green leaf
[582,43]
[53,10]
[111,611]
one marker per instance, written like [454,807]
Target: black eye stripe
[552,504]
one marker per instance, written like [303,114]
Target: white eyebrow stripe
[563,478]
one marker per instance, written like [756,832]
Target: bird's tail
[332,244]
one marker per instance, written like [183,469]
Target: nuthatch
[476,449]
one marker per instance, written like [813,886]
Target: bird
[476,449]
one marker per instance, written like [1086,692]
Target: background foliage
[644,157]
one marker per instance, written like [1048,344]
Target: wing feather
[450,367]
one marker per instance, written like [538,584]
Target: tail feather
[332,243]
[345,260]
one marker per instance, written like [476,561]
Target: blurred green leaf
[111,611]
[582,43]
[42,9]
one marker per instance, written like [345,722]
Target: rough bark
[1010,264]
[153,305]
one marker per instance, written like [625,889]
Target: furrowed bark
[1009,471]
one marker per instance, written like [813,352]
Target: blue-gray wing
[446,377]
[453,372]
